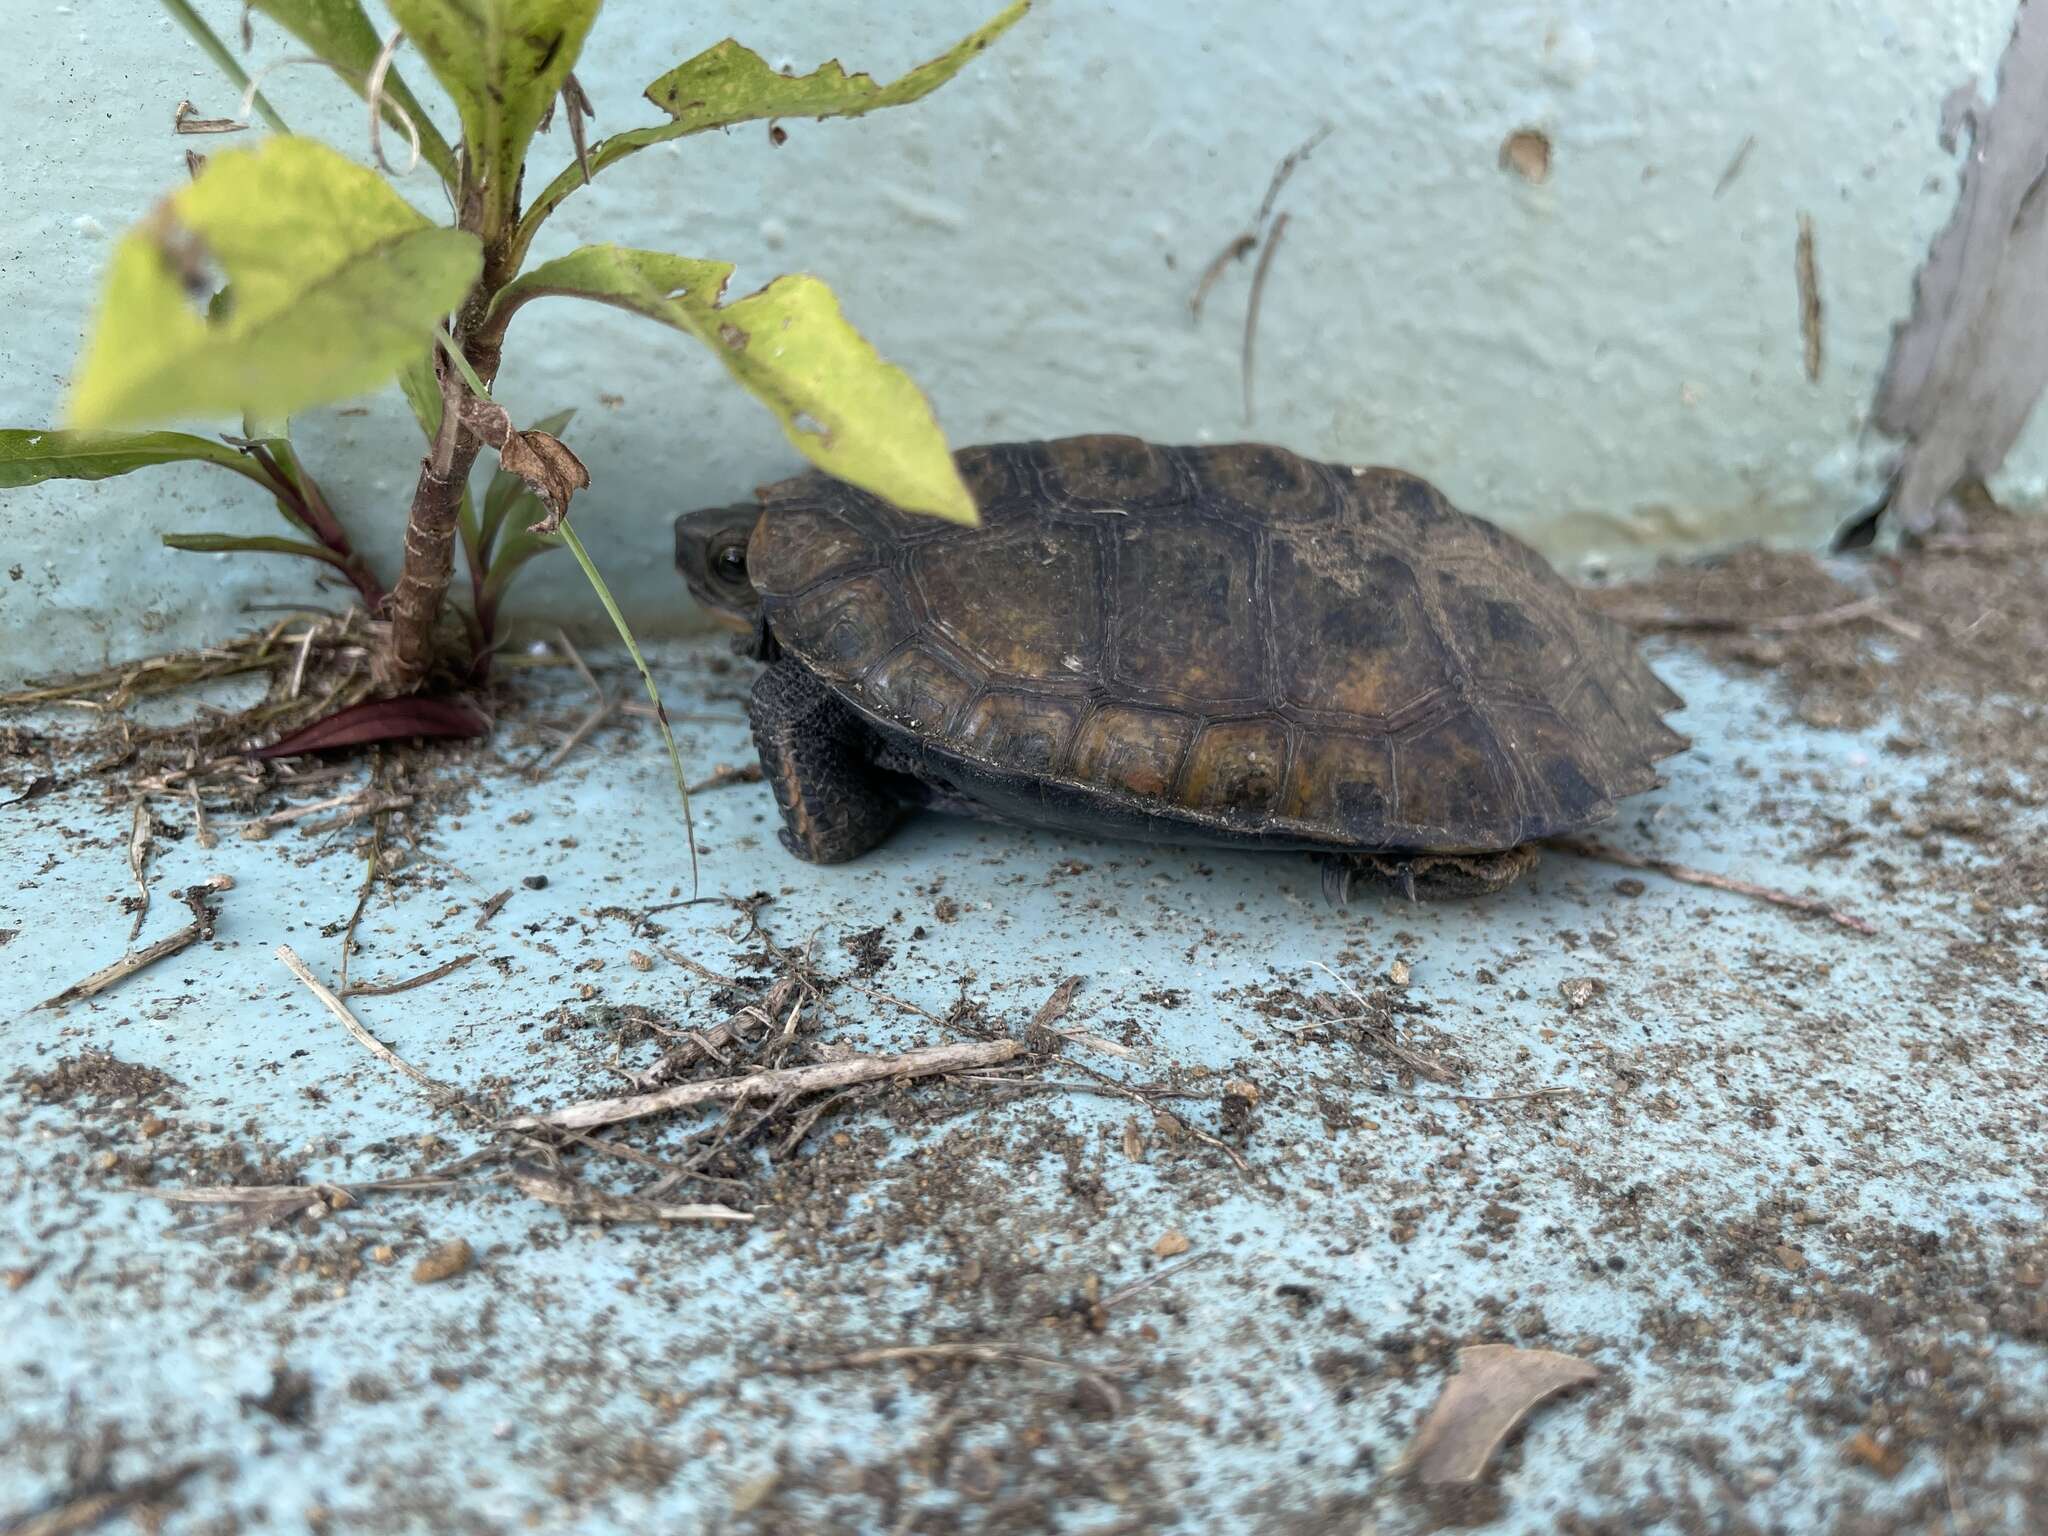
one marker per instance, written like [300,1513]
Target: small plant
[285,277]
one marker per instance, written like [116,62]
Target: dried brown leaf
[546,463]
[1496,1387]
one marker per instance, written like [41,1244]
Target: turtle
[1220,645]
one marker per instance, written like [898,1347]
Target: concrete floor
[1790,1201]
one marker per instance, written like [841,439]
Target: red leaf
[378,720]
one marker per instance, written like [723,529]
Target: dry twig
[1585,848]
[387,988]
[582,1203]
[1871,608]
[201,927]
[140,838]
[364,1038]
[924,1062]
[1251,310]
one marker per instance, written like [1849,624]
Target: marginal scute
[1138,751]
[917,689]
[999,480]
[1347,777]
[1023,732]
[1107,471]
[1541,746]
[1450,778]
[1268,484]
[1238,767]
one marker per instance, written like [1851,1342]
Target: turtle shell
[1231,641]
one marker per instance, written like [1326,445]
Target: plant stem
[308,507]
[429,560]
[675,758]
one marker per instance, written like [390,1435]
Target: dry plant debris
[1496,1388]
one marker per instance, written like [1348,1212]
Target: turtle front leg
[1425,876]
[817,755]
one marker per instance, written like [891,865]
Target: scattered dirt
[1894,1345]
[96,1080]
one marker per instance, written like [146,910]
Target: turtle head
[711,554]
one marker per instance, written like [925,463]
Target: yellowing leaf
[846,409]
[502,61]
[337,284]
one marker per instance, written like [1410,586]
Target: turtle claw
[1337,883]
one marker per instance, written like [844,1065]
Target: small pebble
[1790,1257]
[1629,885]
[382,1254]
[153,1125]
[444,1263]
[1578,991]
[639,961]
[1172,1244]
[1400,973]
[535,882]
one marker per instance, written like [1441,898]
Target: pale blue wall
[1609,363]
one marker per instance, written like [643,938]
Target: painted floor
[1781,1182]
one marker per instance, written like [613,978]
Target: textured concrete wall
[1610,360]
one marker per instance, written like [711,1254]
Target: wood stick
[386,988]
[587,1204]
[201,927]
[368,1041]
[923,1062]
[1585,848]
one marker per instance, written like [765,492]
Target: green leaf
[848,411]
[518,548]
[728,84]
[337,282]
[31,457]
[675,758]
[502,61]
[422,389]
[340,32]
[510,496]
[255,544]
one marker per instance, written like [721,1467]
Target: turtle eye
[731,564]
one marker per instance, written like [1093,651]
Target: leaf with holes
[337,284]
[502,61]
[847,410]
[509,497]
[728,84]
[339,31]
